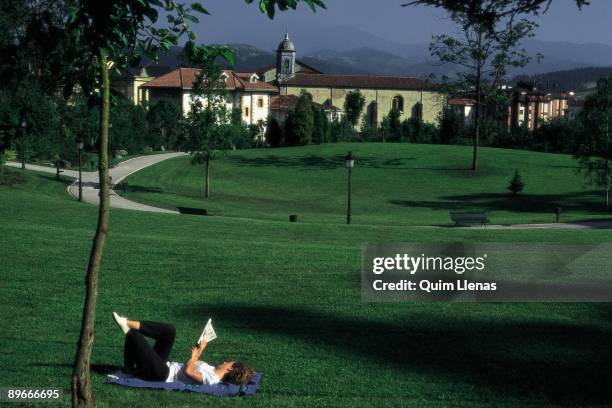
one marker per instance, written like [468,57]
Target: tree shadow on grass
[62,180]
[550,361]
[138,189]
[101,369]
[313,162]
[539,203]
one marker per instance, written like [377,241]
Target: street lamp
[350,163]
[163,135]
[80,148]
[23,125]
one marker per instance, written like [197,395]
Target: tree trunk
[82,395]
[207,177]
[607,183]
[607,166]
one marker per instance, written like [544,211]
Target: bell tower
[285,60]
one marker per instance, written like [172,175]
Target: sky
[233,21]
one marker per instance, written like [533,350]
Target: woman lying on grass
[151,363]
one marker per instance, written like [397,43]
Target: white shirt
[177,372]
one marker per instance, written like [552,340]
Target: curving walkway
[91,188]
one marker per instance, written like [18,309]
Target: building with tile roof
[413,97]
[530,107]
[245,92]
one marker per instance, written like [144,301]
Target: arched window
[398,103]
[417,111]
[373,113]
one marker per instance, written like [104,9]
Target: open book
[208,334]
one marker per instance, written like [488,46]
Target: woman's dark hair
[240,374]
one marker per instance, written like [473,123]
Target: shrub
[11,178]
[274,132]
[10,155]
[516,183]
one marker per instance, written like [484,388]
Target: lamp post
[23,125]
[350,163]
[80,148]
[163,135]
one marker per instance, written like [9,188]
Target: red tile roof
[184,78]
[306,69]
[358,81]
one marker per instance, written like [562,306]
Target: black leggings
[144,361]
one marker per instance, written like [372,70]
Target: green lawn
[285,298]
[393,184]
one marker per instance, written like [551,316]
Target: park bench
[465,218]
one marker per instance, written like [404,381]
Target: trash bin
[293,218]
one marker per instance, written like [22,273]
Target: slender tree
[490,31]
[103,36]
[209,119]
[353,106]
[112,34]
[274,132]
[163,118]
[483,57]
[300,124]
[593,148]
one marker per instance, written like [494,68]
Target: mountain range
[346,50]
[351,50]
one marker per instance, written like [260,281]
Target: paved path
[603,224]
[122,170]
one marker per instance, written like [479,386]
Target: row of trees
[307,124]
[54,124]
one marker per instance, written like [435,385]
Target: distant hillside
[578,80]
[359,61]
[367,60]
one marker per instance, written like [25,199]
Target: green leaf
[199,8]
[229,55]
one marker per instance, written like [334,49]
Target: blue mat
[220,389]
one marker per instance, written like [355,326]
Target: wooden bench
[465,218]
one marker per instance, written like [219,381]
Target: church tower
[285,60]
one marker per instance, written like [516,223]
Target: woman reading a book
[151,363]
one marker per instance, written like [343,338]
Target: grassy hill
[285,298]
[393,184]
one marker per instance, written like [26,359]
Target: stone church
[274,89]
[413,97]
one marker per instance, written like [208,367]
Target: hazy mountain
[371,55]
[343,39]
[352,51]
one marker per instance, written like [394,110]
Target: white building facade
[245,92]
